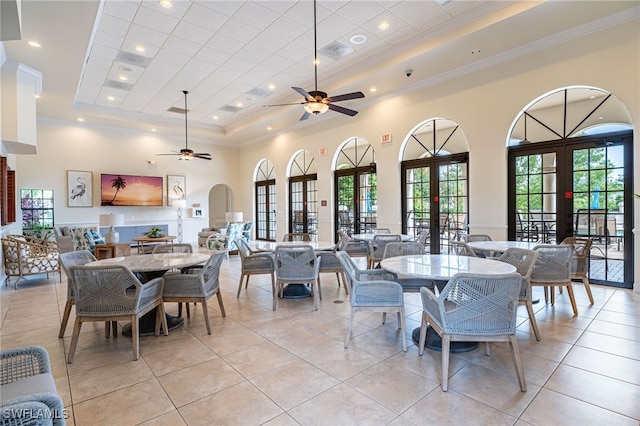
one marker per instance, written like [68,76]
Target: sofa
[25,255]
[76,238]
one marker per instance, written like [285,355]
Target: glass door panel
[266,210]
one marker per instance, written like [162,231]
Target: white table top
[369,236]
[443,266]
[155,262]
[501,246]
[271,245]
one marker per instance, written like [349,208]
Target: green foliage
[154,232]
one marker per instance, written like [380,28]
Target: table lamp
[111,220]
[233,217]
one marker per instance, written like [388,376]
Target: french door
[435,198]
[266,210]
[578,187]
[303,204]
[356,199]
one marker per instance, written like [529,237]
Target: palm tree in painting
[118,183]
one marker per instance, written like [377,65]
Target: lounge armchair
[24,255]
[226,242]
[28,394]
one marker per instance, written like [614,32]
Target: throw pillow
[94,238]
[80,240]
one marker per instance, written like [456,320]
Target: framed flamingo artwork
[79,189]
[176,188]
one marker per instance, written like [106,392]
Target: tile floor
[260,367]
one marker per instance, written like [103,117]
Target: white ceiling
[227,53]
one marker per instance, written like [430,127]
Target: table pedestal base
[434,342]
[147,324]
[296,291]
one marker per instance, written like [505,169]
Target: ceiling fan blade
[206,154]
[168,154]
[346,97]
[305,115]
[294,103]
[202,156]
[304,93]
[342,110]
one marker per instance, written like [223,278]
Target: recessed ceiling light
[239,104]
[81,119]
[316,61]
[384,25]
[123,78]
[592,97]
[600,118]
[154,130]
[373,89]
[110,98]
[37,96]
[139,48]
[272,86]
[34,43]
[476,52]
[215,117]
[165,3]
[269,128]
[358,39]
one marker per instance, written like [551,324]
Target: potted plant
[154,232]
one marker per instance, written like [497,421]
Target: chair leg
[240,284]
[546,294]
[487,348]
[446,346]
[403,329]
[107,329]
[346,284]
[515,353]
[572,298]
[114,328]
[65,318]
[163,319]
[77,325]
[180,309]
[219,296]
[552,290]
[587,287]
[135,337]
[532,319]
[423,335]
[384,317]
[188,310]
[349,327]
[206,316]
[316,294]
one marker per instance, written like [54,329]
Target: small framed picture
[176,188]
[197,212]
[79,188]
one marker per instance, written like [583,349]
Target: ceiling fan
[186,153]
[317,102]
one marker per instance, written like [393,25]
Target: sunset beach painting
[129,190]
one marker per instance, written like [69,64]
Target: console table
[142,240]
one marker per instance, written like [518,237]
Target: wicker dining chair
[69,259]
[178,248]
[296,264]
[329,263]
[113,293]
[198,287]
[373,290]
[461,248]
[297,237]
[473,308]
[469,238]
[355,247]
[579,264]
[259,263]
[553,269]
[378,244]
[524,260]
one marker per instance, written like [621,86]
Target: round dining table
[501,246]
[368,236]
[440,268]
[150,266]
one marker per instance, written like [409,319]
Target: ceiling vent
[133,59]
[120,85]
[230,108]
[259,92]
[336,50]
[176,110]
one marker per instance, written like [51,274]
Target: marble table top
[155,262]
[369,236]
[501,246]
[271,245]
[443,266]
